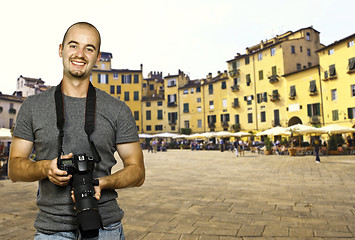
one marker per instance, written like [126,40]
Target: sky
[194,36]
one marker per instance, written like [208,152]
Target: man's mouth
[78,63]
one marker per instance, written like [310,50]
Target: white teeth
[78,63]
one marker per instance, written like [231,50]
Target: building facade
[9,107]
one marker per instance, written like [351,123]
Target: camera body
[81,168]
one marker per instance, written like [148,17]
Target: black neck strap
[89,118]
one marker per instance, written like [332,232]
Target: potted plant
[268,146]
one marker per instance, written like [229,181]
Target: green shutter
[350,113]
[318,109]
[99,78]
[107,78]
[309,110]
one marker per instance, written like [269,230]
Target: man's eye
[90,49]
[72,46]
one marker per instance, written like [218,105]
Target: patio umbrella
[200,135]
[180,136]
[274,131]
[5,134]
[240,134]
[164,135]
[305,129]
[222,134]
[143,135]
[337,129]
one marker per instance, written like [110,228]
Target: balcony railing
[276,123]
[235,88]
[225,124]
[274,97]
[234,72]
[273,78]
[212,125]
[314,120]
[235,105]
[172,104]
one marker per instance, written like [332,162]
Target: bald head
[84,24]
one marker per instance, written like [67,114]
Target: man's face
[80,51]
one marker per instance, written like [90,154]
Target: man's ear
[60,50]
[98,58]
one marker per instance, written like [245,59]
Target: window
[249,99]
[261,75]
[351,65]
[334,94]
[225,117]
[149,128]
[274,71]
[199,109]
[148,104]
[309,64]
[160,114]
[211,105]
[308,52]
[301,49]
[312,86]
[160,103]
[235,102]
[115,75]
[126,79]
[136,78]
[223,85]
[126,96]
[293,91]
[224,103]
[236,119]
[260,56]
[198,99]
[248,79]
[191,90]
[210,88]
[136,96]
[102,65]
[353,90]
[136,115]
[272,51]
[151,87]
[103,78]
[172,82]
[211,118]
[250,118]
[335,115]
[186,91]
[332,71]
[198,89]
[148,115]
[331,51]
[293,50]
[263,116]
[299,66]
[118,89]
[276,117]
[186,107]
[308,36]
[313,109]
[247,61]
[158,127]
[199,123]
[112,89]
[351,43]
[171,98]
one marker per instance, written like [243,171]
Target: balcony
[314,120]
[276,123]
[172,122]
[172,104]
[313,93]
[234,72]
[273,78]
[12,111]
[235,105]
[235,88]
[274,97]
[212,125]
[225,124]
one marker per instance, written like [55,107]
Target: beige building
[9,107]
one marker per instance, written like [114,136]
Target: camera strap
[89,118]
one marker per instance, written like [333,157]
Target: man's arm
[133,173]
[21,168]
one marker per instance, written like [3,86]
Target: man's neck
[75,88]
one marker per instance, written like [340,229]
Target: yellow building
[337,69]
[259,90]
[123,84]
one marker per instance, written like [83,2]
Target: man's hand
[55,175]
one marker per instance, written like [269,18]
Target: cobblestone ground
[208,195]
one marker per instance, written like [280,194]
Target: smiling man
[58,129]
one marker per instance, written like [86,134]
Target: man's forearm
[25,170]
[130,176]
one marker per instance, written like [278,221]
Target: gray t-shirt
[37,122]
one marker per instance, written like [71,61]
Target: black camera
[81,168]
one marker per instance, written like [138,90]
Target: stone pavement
[210,195]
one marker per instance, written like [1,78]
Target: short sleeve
[24,124]
[126,126]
